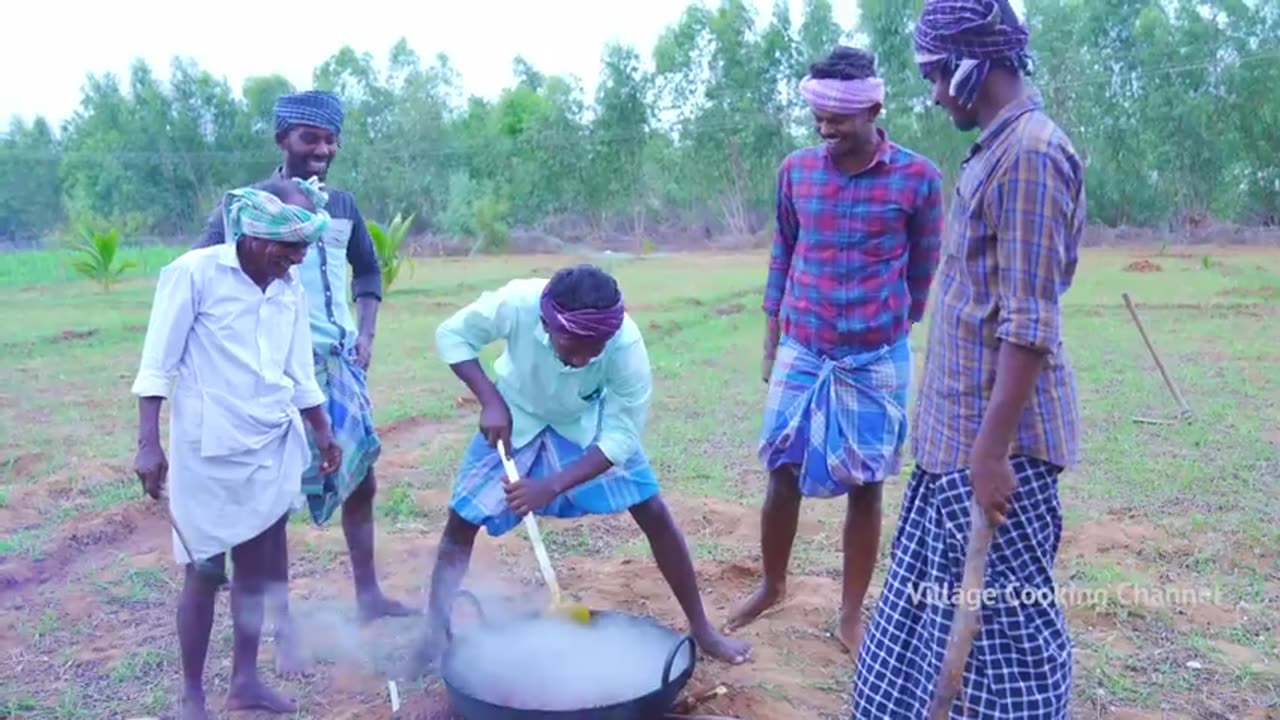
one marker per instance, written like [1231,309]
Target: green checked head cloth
[257,213]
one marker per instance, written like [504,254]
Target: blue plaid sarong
[351,416]
[843,423]
[479,499]
[1020,665]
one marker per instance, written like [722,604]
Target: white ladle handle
[531,526]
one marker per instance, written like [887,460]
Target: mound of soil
[1142,266]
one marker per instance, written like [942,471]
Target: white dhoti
[232,473]
[242,357]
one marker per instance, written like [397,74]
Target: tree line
[1173,104]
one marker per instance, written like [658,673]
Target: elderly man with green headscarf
[230,323]
[343,280]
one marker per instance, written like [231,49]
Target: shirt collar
[1006,117]
[227,256]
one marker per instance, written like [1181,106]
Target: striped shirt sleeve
[784,243]
[1031,204]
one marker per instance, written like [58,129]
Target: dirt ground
[793,652]
[95,605]
[796,660]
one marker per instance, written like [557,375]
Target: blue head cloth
[312,107]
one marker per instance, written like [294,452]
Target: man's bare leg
[672,557]
[195,623]
[452,561]
[255,567]
[861,546]
[778,522]
[291,658]
[357,526]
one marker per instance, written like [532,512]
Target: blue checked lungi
[351,416]
[843,423]
[1020,664]
[479,499]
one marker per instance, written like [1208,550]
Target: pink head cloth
[598,324]
[842,97]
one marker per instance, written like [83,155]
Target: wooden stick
[574,611]
[964,627]
[1168,381]
[693,701]
[531,527]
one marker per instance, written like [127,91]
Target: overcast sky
[51,45]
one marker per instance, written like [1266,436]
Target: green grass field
[1170,560]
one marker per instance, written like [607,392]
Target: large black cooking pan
[467,689]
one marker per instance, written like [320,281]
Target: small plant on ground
[97,254]
[388,243]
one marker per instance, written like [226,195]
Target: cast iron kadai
[655,704]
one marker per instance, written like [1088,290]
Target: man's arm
[149,420]
[628,391]
[366,284]
[459,341]
[924,235]
[461,337]
[786,230]
[1031,205]
[366,271]
[173,312]
[488,318]
[300,364]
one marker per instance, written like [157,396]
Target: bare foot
[720,647]
[765,597]
[849,630]
[252,694]
[291,660]
[380,606]
[193,706]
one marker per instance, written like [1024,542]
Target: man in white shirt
[231,323]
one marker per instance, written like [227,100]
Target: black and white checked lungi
[1020,665]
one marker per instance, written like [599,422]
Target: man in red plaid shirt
[857,242]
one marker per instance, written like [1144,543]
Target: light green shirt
[541,390]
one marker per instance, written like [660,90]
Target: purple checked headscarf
[598,324]
[967,38]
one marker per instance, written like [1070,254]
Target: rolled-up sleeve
[1034,205]
[463,335]
[628,390]
[300,365]
[173,312]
